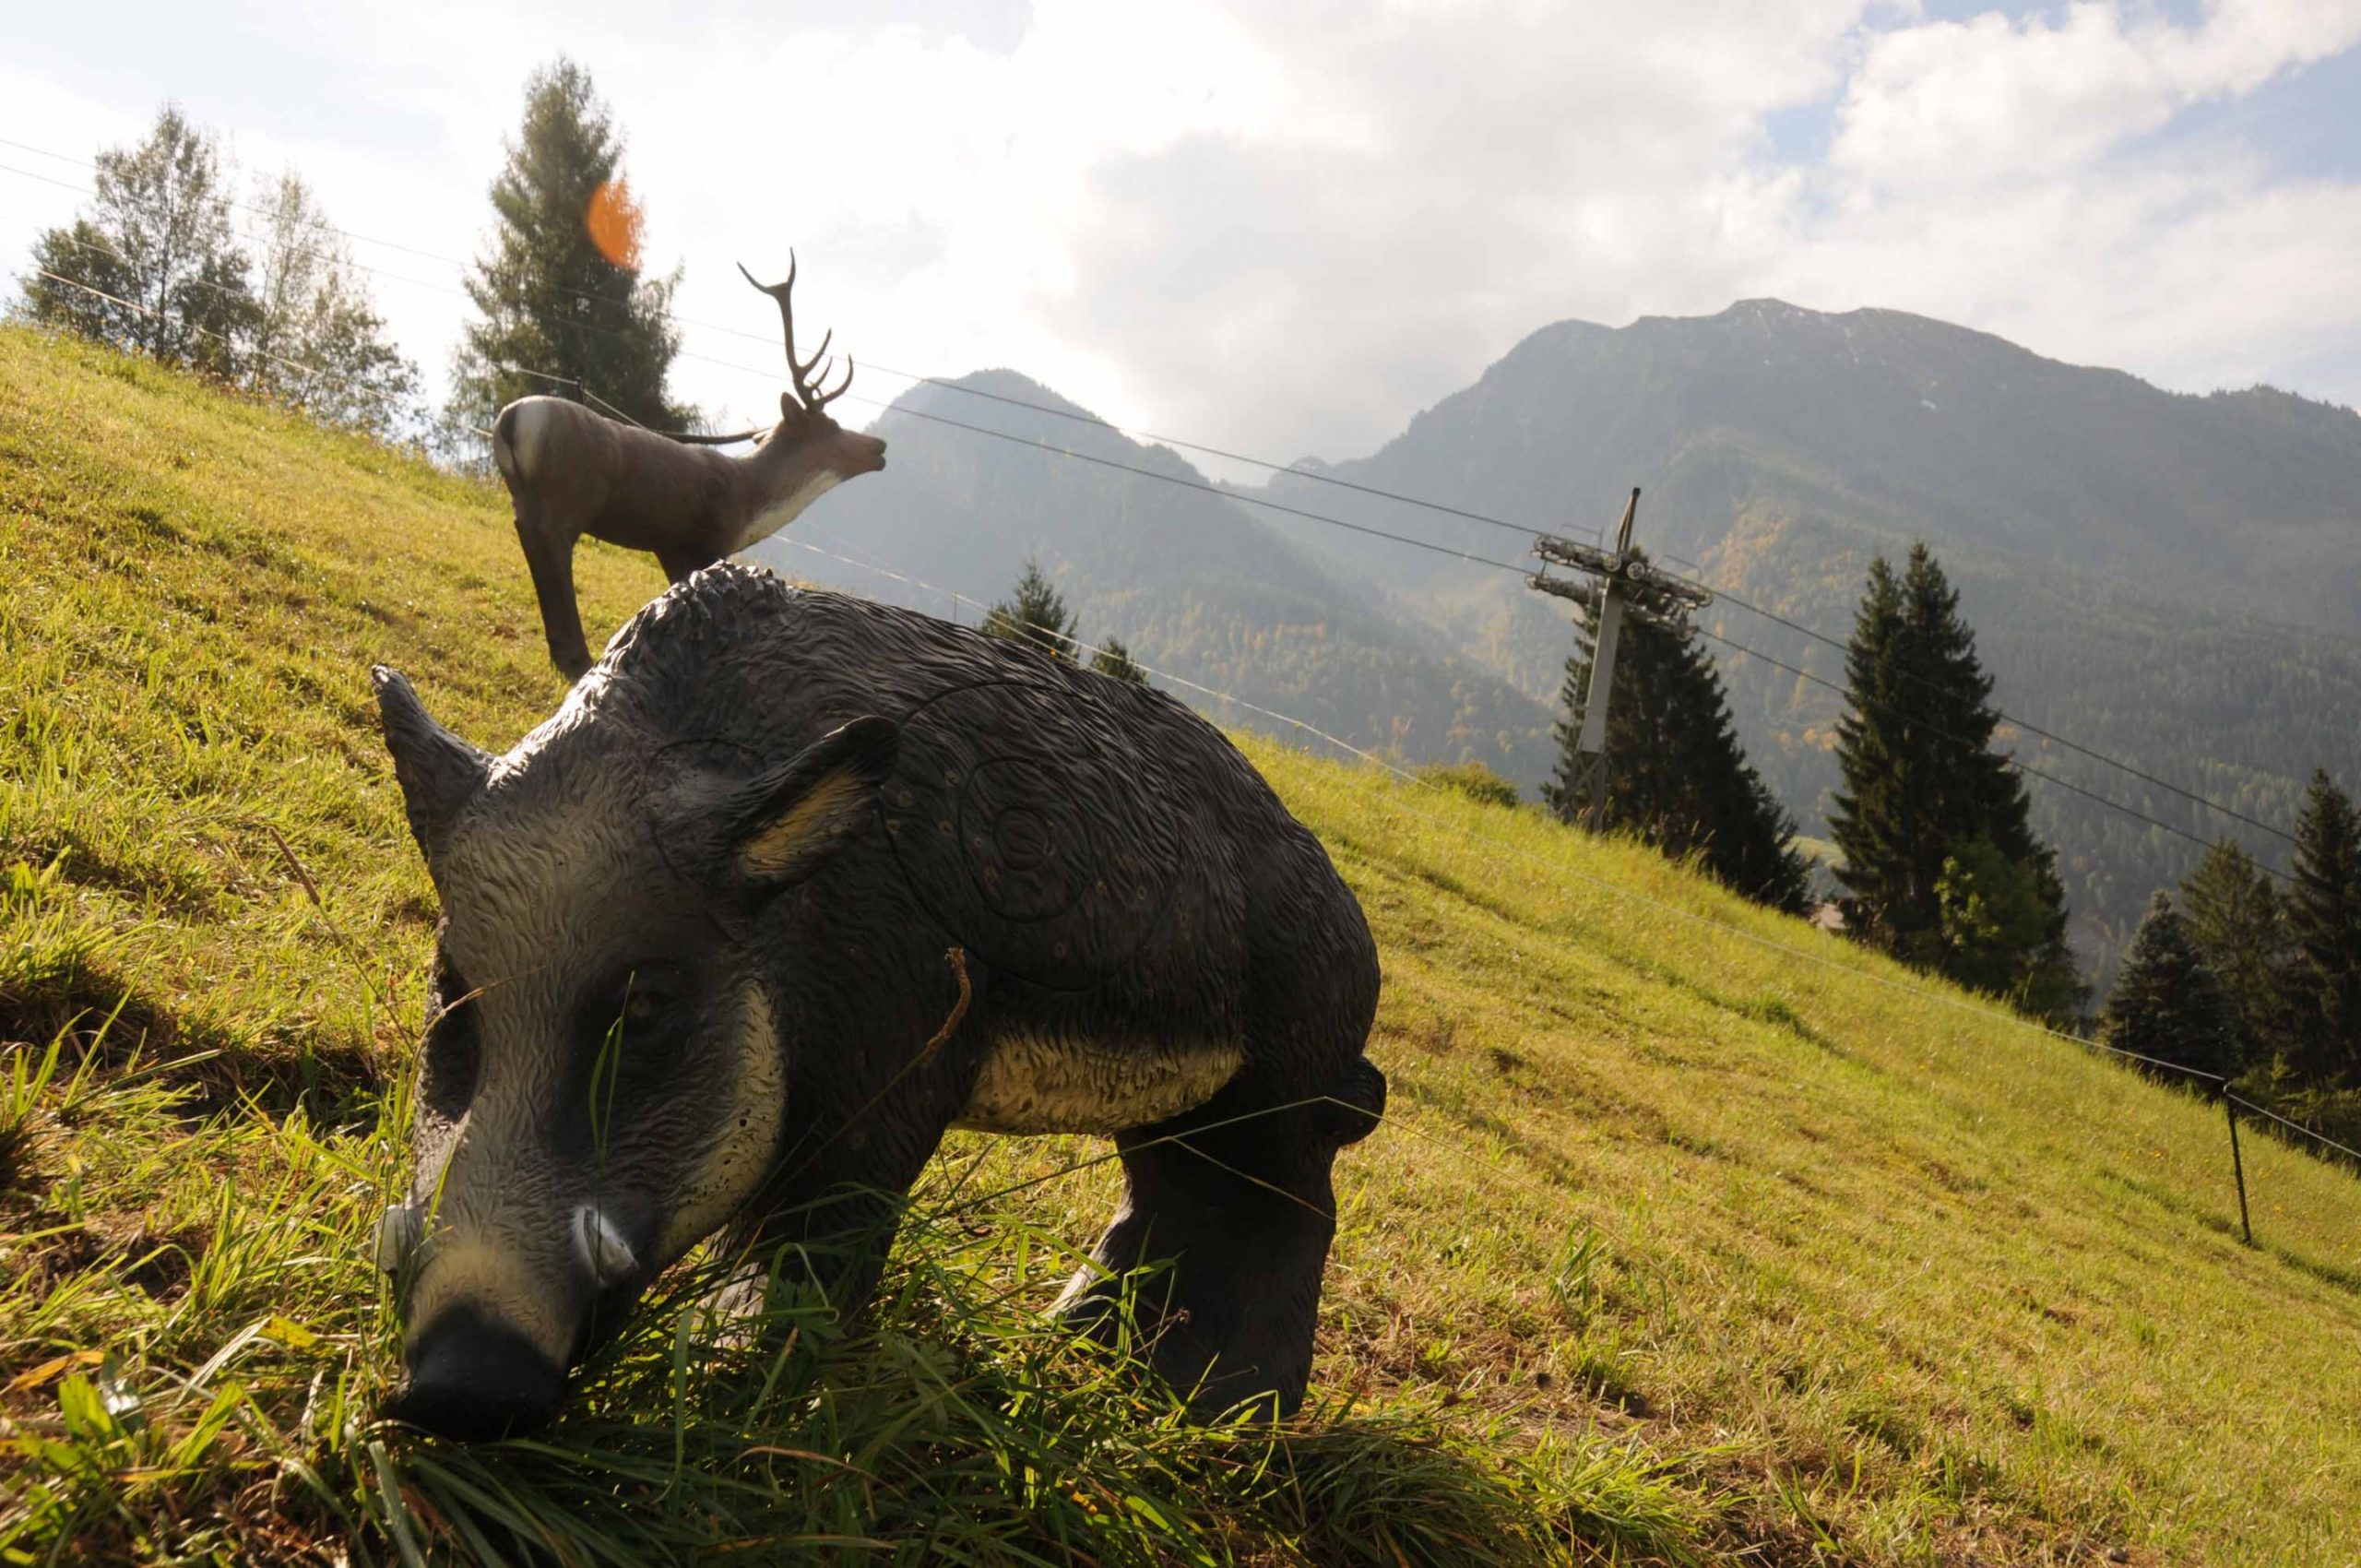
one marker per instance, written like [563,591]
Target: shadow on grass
[73,992]
[955,1423]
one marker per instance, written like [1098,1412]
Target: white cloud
[1505,166]
[1284,228]
[1996,99]
[2000,173]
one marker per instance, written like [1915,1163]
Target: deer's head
[807,441]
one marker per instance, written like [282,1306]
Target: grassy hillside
[1675,1247]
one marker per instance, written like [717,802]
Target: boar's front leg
[829,1216]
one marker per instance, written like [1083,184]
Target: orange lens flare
[613,222]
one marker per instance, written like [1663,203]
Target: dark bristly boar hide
[696,939]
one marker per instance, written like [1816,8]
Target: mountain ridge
[1196,582]
[2161,575]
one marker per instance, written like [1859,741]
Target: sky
[1287,228]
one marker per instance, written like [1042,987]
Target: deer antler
[815,397]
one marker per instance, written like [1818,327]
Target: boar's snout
[472,1380]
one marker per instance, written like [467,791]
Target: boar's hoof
[471,1381]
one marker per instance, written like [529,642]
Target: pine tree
[2324,935]
[1114,661]
[1922,786]
[1878,818]
[2167,1004]
[157,236]
[1676,775]
[561,292]
[1034,616]
[2233,916]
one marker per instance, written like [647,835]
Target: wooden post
[1619,577]
[1592,744]
[2237,1165]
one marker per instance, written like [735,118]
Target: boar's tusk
[604,1251]
[398,1234]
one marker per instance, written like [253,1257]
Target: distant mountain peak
[1768,308]
[945,395]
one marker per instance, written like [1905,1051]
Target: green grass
[1674,1246]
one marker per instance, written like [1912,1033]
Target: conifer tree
[2324,936]
[1036,616]
[1924,793]
[2233,916]
[1676,775]
[560,290]
[1114,661]
[2167,1004]
[157,236]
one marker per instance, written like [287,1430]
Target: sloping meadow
[1691,1231]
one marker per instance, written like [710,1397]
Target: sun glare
[613,221]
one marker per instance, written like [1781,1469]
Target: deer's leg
[679,562]
[549,554]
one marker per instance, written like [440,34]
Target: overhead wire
[2026,725]
[1614,888]
[915,378]
[1409,541]
[1201,485]
[1521,852]
[2017,763]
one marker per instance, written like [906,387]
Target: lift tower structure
[1614,583]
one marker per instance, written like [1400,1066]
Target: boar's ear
[439,773]
[780,826]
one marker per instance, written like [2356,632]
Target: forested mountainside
[1193,582]
[2165,578]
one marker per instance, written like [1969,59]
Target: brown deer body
[571,473]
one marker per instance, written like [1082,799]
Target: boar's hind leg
[1235,1198]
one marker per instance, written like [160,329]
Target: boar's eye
[641,1003]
